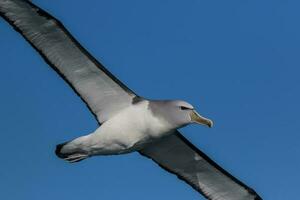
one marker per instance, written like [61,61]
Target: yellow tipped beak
[195,117]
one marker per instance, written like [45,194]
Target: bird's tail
[70,154]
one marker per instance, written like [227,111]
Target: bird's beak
[195,117]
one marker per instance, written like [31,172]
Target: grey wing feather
[103,93]
[177,155]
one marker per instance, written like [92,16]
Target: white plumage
[128,130]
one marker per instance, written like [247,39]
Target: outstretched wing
[103,93]
[177,155]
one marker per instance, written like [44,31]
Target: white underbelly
[128,131]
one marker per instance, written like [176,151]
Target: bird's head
[178,113]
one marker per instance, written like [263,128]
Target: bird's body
[128,130]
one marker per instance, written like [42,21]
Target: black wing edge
[210,161]
[43,13]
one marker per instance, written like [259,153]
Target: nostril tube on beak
[197,118]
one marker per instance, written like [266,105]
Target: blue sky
[236,61]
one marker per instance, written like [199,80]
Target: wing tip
[257,197]
[252,192]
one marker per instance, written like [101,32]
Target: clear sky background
[236,61]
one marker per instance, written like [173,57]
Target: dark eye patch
[184,108]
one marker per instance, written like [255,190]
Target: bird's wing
[103,93]
[178,156]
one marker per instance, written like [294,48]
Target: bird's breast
[134,126]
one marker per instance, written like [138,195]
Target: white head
[178,113]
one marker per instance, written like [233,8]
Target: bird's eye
[184,108]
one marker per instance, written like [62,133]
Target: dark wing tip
[257,197]
[252,192]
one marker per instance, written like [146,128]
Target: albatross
[127,122]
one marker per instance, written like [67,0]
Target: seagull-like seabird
[128,122]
